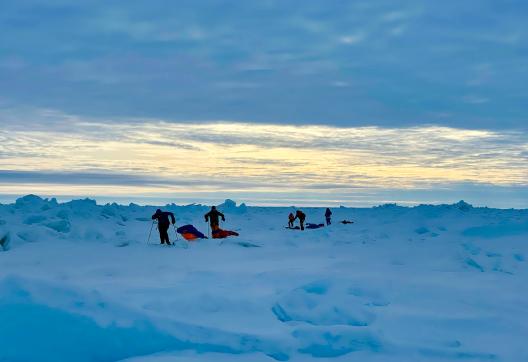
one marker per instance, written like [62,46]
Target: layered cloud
[256,161]
[342,63]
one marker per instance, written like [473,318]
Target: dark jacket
[328,213]
[163,217]
[300,215]
[213,216]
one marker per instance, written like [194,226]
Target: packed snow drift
[80,282]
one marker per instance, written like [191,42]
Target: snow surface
[78,282]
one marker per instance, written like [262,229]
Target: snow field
[429,283]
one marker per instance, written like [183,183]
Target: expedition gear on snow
[328,216]
[213,218]
[314,226]
[189,232]
[163,224]
[221,234]
[301,216]
[347,222]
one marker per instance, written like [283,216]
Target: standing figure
[163,224]
[301,216]
[212,217]
[291,219]
[328,216]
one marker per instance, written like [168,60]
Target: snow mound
[336,342]
[320,305]
[230,206]
[65,325]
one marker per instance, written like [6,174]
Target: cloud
[474,99]
[269,62]
[394,16]
[352,39]
[245,155]
[261,163]
[86,178]
[340,84]
[73,178]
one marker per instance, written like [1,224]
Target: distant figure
[291,219]
[301,216]
[347,222]
[163,224]
[328,216]
[212,217]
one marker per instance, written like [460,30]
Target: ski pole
[174,227]
[150,232]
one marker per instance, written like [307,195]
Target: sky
[353,103]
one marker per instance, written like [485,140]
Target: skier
[163,224]
[301,216]
[291,219]
[212,217]
[328,215]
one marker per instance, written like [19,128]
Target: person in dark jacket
[163,224]
[291,219]
[301,216]
[212,217]
[328,216]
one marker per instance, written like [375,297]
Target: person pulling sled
[163,224]
[213,218]
[301,216]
